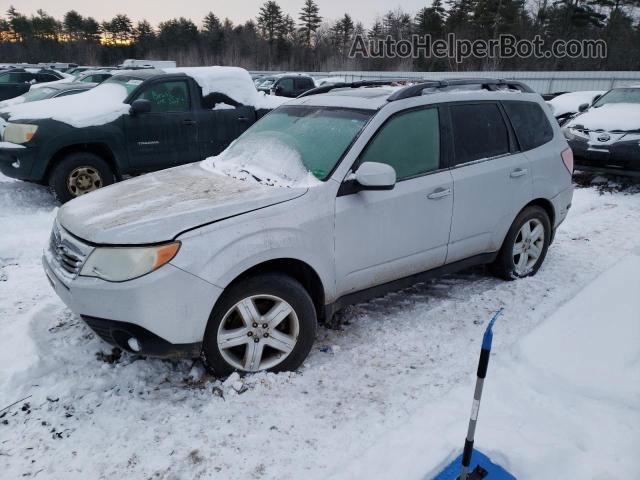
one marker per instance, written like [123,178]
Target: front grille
[67,253]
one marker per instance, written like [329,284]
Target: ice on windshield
[262,159]
[293,145]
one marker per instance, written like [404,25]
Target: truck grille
[67,253]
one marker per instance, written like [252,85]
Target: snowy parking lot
[384,394]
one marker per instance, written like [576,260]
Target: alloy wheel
[258,333]
[528,246]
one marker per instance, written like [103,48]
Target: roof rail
[490,84]
[358,84]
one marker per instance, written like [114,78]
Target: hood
[610,117]
[97,106]
[570,102]
[159,206]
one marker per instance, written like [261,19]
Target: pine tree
[310,20]
[270,20]
[430,20]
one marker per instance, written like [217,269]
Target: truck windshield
[319,135]
[619,95]
[127,81]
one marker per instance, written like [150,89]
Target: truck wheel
[266,322]
[525,246]
[77,174]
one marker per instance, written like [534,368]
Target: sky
[238,11]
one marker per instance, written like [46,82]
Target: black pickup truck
[166,121]
[16,81]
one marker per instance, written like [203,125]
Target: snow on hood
[610,116]
[97,106]
[234,82]
[66,79]
[159,206]
[12,101]
[262,159]
[569,102]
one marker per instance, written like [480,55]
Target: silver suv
[331,199]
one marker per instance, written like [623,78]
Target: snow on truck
[135,122]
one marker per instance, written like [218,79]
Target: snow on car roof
[233,82]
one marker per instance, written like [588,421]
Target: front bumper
[166,311]
[18,162]
[615,157]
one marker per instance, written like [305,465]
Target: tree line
[276,40]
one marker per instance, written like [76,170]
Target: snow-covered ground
[385,396]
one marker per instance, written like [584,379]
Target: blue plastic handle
[488,333]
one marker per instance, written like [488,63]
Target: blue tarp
[495,472]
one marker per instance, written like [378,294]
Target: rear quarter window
[531,125]
[479,132]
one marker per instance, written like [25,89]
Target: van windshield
[318,135]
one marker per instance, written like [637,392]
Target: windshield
[38,94]
[619,95]
[127,81]
[318,136]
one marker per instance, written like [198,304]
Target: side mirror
[375,176]
[278,91]
[583,107]
[142,105]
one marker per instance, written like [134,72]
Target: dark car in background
[605,136]
[292,86]
[17,81]
[54,90]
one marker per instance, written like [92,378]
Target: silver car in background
[333,198]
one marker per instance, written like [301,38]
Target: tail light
[567,159]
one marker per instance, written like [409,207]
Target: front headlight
[117,264]
[19,132]
[571,133]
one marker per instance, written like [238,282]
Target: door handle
[518,172]
[188,122]
[439,193]
[243,119]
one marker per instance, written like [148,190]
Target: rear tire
[78,174]
[265,322]
[525,246]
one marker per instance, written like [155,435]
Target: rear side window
[45,77]
[304,83]
[479,132]
[409,142]
[530,124]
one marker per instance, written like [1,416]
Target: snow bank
[97,106]
[234,82]
[563,404]
[610,116]
[262,159]
[569,102]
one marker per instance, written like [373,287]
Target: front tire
[525,246]
[265,322]
[78,174]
